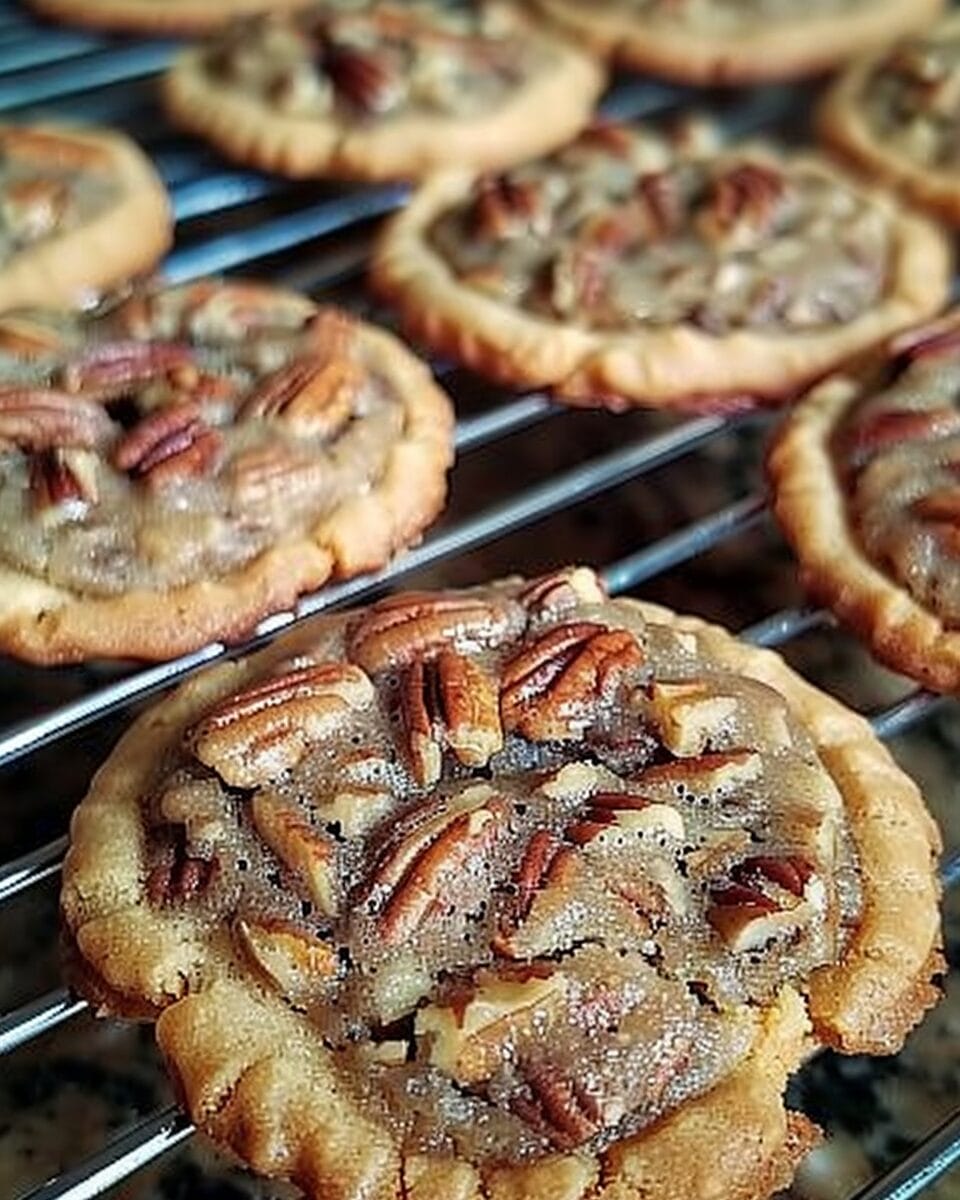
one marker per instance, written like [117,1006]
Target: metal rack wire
[49,73]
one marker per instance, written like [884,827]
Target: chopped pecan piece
[609,136]
[551,690]
[313,397]
[257,734]
[562,591]
[169,445]
[543,860]
[450,701]
[471,1038]
[35,419]
[708,773]
[685,716]
[292,960]
[60,477]
[787,871]
[411,880]
[411,625]
[34,208]
[767,899]
[199,806]
[180,877]
[611,814]
[557,1105]
[115,367]
[504,207]
[309,853]
[660,203]
[370,79]
[742,202]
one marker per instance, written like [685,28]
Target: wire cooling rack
[316,237]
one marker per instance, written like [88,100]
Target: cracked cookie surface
[384,91]
[523,888]
[631,268]
[176,466]
[864,479]
[80,211]
[897,115]
[736,41]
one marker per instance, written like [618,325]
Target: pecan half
[35,419]
[557,1105]
[401,628]
[312,397]
[504,208]
[169,445]
[309,853]
[293,961]
[115,367]
[411,881]
[893,426]
[265,475]
[941,505]
[371,79]
[553,688]
[471,1038]
[685,715]
[546,882]
[257,734]
[452,702]
[59,477]
[742,202]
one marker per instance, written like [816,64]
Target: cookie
[375,90]
[80,211]
[896,116]
[156,16]
[504,893]
[176,467]
[736,41]
[630,269]
[864,478]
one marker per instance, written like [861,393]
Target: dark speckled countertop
[61,1096]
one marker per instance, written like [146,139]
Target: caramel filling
[912,99]
[898,455]
[370,61]
[179,436]
[615,232]
[529,865]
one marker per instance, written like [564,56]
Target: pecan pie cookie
[865,486]
[736,41]
[156,16]
[509,893]
[898,115]
[631,269]
[372,90]
[80,211]
[176,467]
